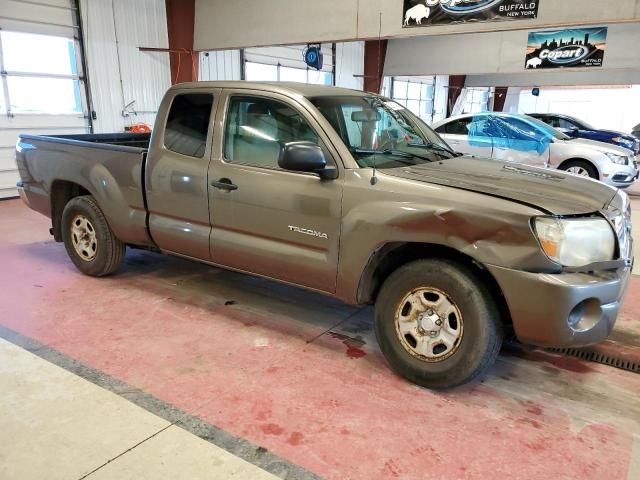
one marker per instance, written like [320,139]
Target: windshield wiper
[433,146]
[390,151]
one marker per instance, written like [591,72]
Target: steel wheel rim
[83,238]
[429,324]
[578,171]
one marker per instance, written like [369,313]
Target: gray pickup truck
[349,194]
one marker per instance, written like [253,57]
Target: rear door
[176,173]
[268,221]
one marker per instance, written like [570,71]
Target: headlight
[575,242]
[617,159]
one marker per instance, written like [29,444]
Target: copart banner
[421,13]
[572,47]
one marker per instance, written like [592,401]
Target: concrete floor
[172,369]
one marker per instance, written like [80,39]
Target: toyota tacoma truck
[349,194]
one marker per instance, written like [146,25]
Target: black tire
[481,336]
[587,166]
[108,253]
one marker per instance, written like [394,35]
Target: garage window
[259,72]
[415,94]
[41,74]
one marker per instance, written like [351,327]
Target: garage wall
[564,77]
[499,52]
[119,73]
[37,114]
[224,24]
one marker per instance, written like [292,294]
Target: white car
[526,140]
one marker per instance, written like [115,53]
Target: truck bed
[109,166]
[104,140]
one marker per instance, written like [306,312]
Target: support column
[456,84]
[499,98]
[180,27]
[375,52]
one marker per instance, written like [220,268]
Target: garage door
[286,64]
[42,83]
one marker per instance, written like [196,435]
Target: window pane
[257,72]
[27,52]
[413,92]
[414,106]
[188,124]
[44,95]
[427,91]
[426,110]
[320,78]
[399,89]
[288,74]
[257,127]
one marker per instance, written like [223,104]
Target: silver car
[526,140]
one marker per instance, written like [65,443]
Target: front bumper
[562,310]
[620,176]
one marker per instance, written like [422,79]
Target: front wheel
[436,324]
[581,168]
[90,243]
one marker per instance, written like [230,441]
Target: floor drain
[598,357]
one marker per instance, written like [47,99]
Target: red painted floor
[331,406]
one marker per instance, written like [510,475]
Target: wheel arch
[392,256]
[61,192]
[580,159]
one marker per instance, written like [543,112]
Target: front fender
[489,230]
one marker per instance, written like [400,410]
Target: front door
[465,135]
[517,141]
[268,221]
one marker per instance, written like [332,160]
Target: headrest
[258,109]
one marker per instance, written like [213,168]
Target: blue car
[578,129]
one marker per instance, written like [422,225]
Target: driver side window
[256,128]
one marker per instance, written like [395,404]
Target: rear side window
[188,124]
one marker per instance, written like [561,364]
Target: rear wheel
[581,168]
[89,241]
[436,324]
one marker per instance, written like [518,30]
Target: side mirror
[306,157]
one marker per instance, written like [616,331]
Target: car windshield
[381,133]
[547,129]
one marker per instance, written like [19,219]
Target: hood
[600,146]
[551,191]
[612,133]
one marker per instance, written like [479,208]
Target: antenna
[374,178]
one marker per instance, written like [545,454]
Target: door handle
[224,184]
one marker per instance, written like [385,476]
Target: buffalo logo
[467,7]
[567,55]
[417,13]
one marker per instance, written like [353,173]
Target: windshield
[381,133]
[582,125]
[547,129]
